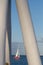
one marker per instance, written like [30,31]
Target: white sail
[17,53]
[31,48]
[3,13]
[7,53]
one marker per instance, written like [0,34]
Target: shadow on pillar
[8,24]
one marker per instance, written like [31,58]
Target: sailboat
[17,56]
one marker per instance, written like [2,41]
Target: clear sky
[36,8]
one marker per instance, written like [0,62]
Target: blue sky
[36,9]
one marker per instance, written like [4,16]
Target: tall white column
[3,13]
[31,48]
[7,53]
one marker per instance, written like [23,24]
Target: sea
[22,60]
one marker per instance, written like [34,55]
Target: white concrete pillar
[31,48]
[3,13]
[7,53]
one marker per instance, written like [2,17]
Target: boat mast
[3,13]
[7,53]
[30,43]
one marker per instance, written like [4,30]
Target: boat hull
[17,58]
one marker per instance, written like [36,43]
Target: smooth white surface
[7,53]
[28,33]
[3,13]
